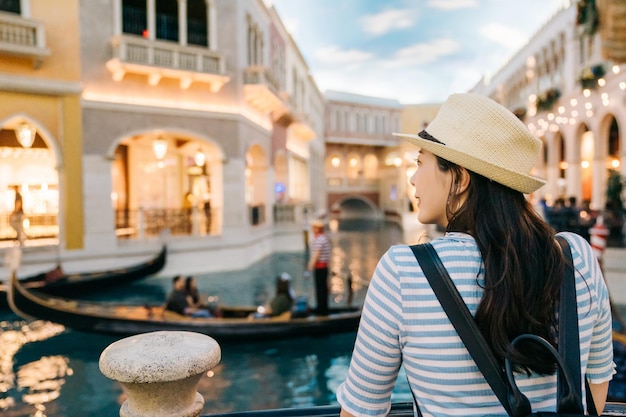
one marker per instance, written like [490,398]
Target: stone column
[160,371]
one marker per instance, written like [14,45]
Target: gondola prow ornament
[13,259]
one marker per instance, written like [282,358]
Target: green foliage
[589,76]
[614,187]
[546,100]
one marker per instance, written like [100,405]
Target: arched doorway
[167,181]
[29,182]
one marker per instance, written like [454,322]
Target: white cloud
[503,35]
[333,55]
[387,21]
[452,4]
[422,53]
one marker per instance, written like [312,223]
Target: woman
[472,173]
[193,295]
[283,299]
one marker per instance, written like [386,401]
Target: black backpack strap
[466,327]
[569,336]
[462,320]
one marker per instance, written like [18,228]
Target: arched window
[135,17]
[167,20]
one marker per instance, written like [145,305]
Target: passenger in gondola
[283,300]
[193,295]
[178,302]
[195,301]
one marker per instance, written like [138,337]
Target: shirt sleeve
[376,358]
[593,296]
[600,365]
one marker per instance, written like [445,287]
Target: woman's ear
[463,181]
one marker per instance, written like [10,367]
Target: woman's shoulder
[450,244]
[578,244]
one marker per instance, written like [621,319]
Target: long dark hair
[523,266]
[191,291]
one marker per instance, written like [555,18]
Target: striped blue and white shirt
[321,245]
[403,323]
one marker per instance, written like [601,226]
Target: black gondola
[235,324]
[56,282]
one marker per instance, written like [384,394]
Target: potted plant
[614,208]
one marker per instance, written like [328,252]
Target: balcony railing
[155,58]
[261,91]
[290,214]
[261,75]
[35,226]
[22,37]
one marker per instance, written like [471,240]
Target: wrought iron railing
[131,224]
[146,223]
[35,226]
[292,214]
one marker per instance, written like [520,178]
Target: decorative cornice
[32,85]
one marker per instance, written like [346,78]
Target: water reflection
[48,372]
[41,379]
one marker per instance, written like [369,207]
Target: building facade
[568,84]
[40,122]
[361,155]
[194,119]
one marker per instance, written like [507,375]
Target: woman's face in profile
[432,187]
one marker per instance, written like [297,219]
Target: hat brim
[520,182]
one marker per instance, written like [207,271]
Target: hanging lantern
[199,157]
[25,134]
[159,146]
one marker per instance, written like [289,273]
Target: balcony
[341,184]
[261,92]
[159,59]
[23,37]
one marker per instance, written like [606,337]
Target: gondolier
[318,263]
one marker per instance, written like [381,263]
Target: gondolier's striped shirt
[322,245]
[403,323]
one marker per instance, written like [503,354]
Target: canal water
[46,370]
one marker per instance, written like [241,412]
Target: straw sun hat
[482,136]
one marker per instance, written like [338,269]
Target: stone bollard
[160,371]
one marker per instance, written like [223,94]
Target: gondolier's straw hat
[318,224]
[482,136]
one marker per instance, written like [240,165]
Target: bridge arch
[352,206]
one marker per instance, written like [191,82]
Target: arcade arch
[29,177]
[164,179]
